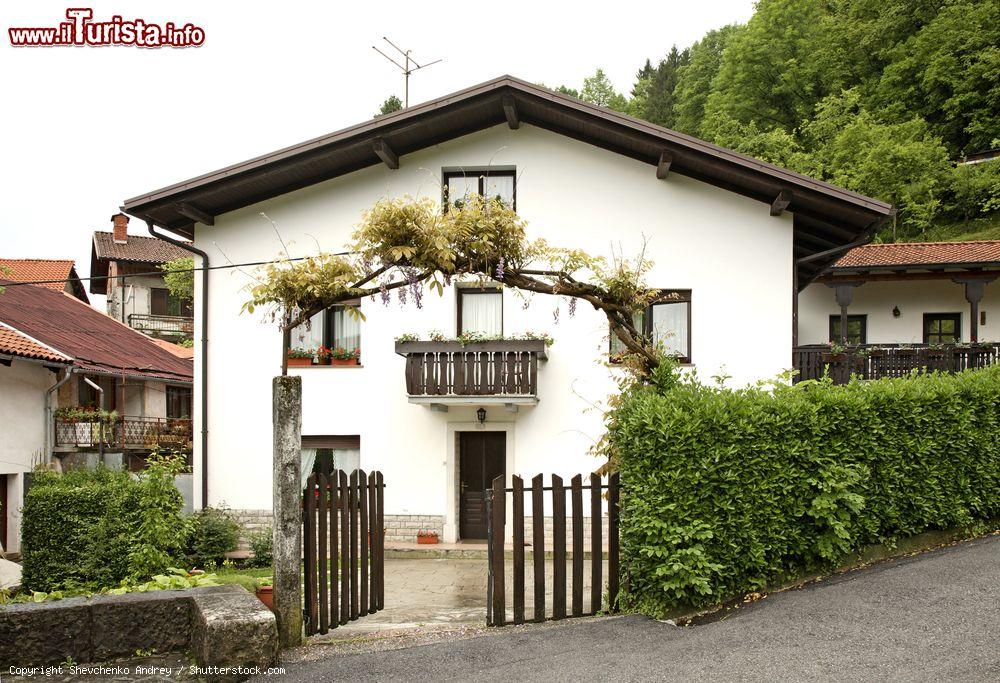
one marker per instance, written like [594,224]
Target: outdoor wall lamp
[895,312]
[481,414]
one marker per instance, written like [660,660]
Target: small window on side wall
[480,310]
[857,329]
[667,322]
[487,182]
[942,328]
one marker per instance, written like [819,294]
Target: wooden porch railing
[878,361]
[500,368]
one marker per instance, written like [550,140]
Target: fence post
[499,496]
[287,503]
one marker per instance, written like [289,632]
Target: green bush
[97,528]
[729,491]
[262,545]
[213,534]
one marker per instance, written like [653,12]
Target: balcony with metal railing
[161,325]
[126,433]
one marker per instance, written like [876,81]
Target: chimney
[121,228]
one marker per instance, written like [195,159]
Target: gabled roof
[15,343]
[137,249]
[93,341]
[45,271]
[923,255]
[826,216]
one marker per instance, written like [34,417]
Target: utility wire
[162,272]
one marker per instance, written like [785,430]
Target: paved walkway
[934,616]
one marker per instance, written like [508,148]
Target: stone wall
[404,528]
[223,626]
[250,521]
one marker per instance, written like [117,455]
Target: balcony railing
[161,325]
[873,361]
[447,368]
[126,433]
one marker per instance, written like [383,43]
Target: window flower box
[298,357]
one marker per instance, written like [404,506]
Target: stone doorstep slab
[224,626]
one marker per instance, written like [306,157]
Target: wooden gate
[496,608]
[343,548]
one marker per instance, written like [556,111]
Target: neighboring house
[919,296]
[57,274]
[60,362]
[126,268]
[731,235]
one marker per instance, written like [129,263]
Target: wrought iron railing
[498,368]
[131,433]
[172,325]
[873,361]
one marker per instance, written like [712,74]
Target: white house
[730,234]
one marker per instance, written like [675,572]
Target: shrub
[262,545]
[213,534]
[728,491]
[97,528]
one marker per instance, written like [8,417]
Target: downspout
[49,418]
[204,350]
[100,417]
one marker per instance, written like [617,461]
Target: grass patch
[244,577]
[984,228]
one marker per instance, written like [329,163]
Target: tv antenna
[408,66]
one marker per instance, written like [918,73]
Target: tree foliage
[403,246]
[391,104]
[179,277]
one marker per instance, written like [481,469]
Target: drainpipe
[204,351]
[49,419]
[100,417]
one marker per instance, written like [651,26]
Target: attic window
[486,182]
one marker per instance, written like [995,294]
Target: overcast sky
[83,128]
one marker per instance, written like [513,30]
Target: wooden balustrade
[879,361]
[499,368]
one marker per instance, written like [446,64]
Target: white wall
[22,438]
[735,258]
[817,303]
[138,296]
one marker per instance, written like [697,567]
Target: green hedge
[728,491]
[97,528]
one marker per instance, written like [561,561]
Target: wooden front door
[482,458]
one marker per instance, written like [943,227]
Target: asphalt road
[934,616]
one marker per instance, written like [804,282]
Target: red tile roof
[43,270]
[95,341]
[137,248]
[917,254]
[176,349]
[15,343]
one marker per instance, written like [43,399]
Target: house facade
[78,388]
[126,269]
[729,237]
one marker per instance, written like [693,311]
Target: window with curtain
[328,453]
[942,328]
[335,327]
[857,329]
[666,323]
[480,311]
[486,182]
[309,335]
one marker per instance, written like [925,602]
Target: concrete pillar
[974,295]
[287,421]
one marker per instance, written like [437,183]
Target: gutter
[204,349]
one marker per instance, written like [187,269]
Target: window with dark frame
[486,182]
[162,302]
[342,329]
[857,329]
[942,328]
[179,403]
[341,452]
[479,310]
[666,322]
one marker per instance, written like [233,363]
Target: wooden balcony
[871,361]
[125,433]
[447,372]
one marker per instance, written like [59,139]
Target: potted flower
[342,356]
[322,356]
[427,537]
[299,356]
[836,354]
[265,592]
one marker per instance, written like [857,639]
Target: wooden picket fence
[497,511]
[343,548]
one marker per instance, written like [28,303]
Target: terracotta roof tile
[37,270]
[137,248]
[920,254]
[15,343]
[95,341]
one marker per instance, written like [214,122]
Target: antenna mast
[405,67]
